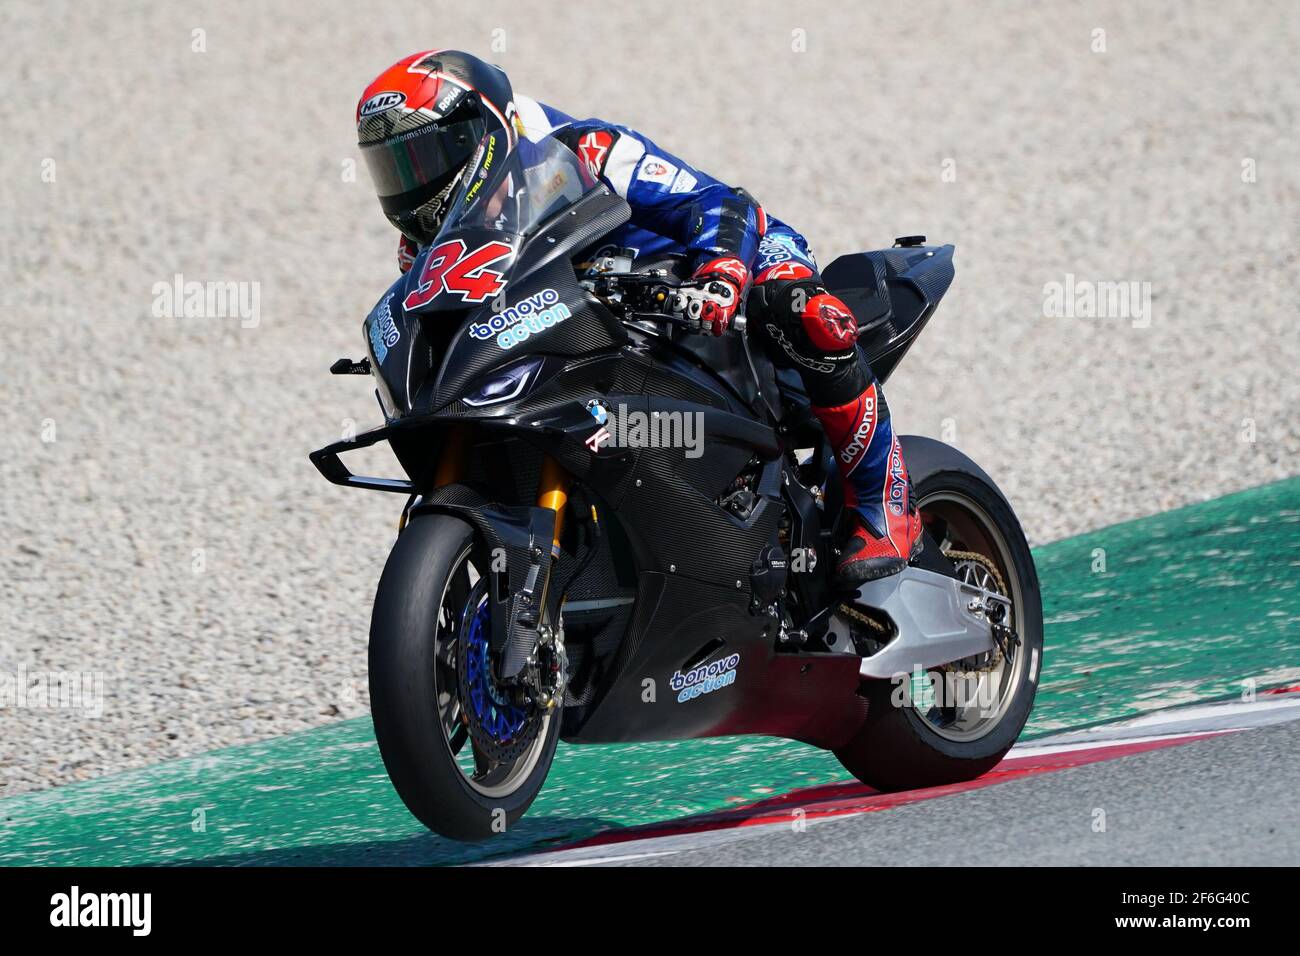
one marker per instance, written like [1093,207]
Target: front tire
[432,760]
[914,745]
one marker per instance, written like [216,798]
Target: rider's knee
[782,297]
[803,306]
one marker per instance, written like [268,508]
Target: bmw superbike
[616,529]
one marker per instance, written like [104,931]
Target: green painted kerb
[1182,606]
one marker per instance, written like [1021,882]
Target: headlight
[505,384]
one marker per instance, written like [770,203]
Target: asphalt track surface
[1230,800]
[1227,799]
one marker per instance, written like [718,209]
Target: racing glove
[406,253]
[712,297]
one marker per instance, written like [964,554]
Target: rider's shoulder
[539,119]
[609,150]
[578,128]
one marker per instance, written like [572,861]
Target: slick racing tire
[421,721]
[907,741]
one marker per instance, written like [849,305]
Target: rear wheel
[959,720]
[463,755]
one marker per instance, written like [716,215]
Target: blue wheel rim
[495,713]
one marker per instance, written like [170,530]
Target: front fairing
[544,313]
[497,284]
[401,355]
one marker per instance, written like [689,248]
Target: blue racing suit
[676,208]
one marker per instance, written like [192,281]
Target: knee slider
[828,322]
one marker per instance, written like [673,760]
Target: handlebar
[654,286]
[671,318]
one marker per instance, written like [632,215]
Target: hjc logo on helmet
[381,102]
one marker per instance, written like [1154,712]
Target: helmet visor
[428,156]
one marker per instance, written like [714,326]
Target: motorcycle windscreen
[504,197]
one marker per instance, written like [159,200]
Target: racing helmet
[418,125]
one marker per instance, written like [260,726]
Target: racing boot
[883,529]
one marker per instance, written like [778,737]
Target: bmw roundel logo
[381,102]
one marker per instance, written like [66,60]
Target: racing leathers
[733,246]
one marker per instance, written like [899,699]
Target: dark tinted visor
[424,156]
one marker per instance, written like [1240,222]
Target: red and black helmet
[418,125]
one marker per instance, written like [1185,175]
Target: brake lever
[738,322]
[667,317]
[658,278]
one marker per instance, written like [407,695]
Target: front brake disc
[502,729]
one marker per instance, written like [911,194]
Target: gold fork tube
[553,493]
[451,462]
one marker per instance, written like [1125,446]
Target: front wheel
[463,755]
[959,720]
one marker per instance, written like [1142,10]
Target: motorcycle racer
[419,123]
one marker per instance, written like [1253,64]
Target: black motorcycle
[617,529]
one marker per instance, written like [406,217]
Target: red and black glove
[406,253]
[713,296]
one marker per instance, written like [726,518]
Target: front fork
[552,486]
[451,466]
[552,494]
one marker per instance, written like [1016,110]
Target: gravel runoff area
[162,527]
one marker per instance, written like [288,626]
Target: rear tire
[899,747]
[414,703]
